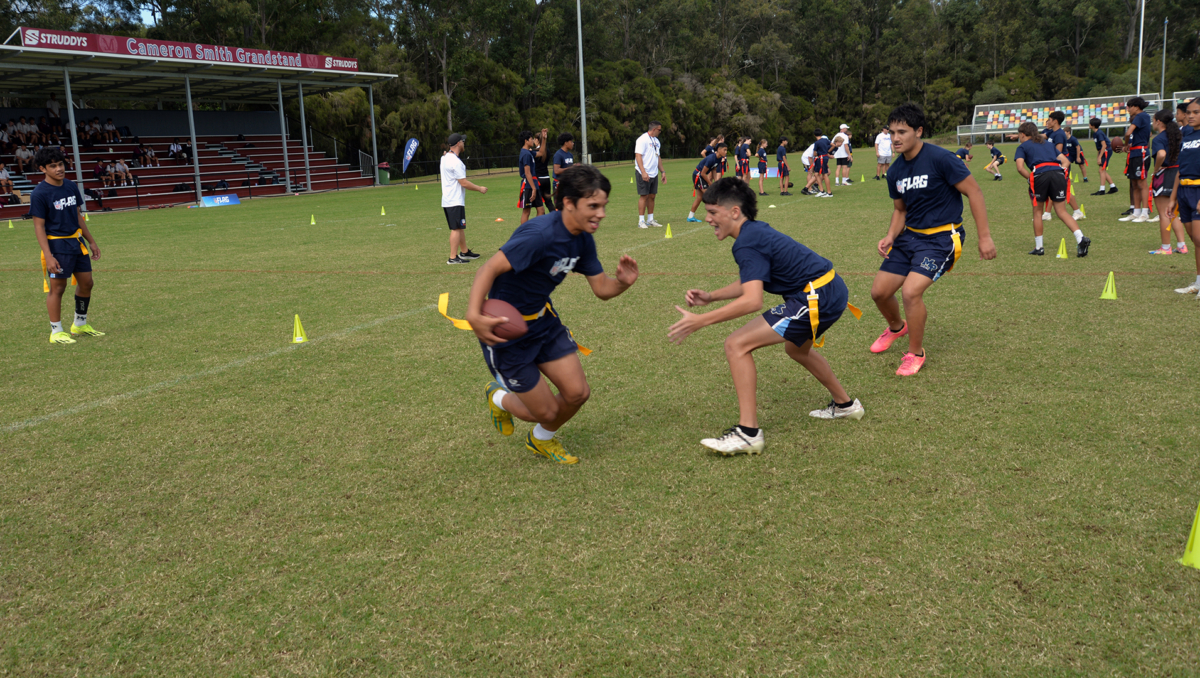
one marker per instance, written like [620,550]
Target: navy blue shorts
[790,319]
[1137,164]
[931,256]
[515,363]
[762,169]
[1187,199]
[820,164]
[71,264]
[783,170]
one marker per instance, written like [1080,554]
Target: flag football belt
[1189,182]
[952,229]
[444,304]
[77,235]
[814,318]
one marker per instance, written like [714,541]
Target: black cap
[455,138]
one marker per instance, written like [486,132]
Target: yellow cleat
[61,338]
[500,419]
[550,449]
[86,330]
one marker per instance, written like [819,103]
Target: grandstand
[1003,119]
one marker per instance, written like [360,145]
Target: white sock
[542,434]
[691,215]
[1112,185]
[1037,242]
[80,320]
[498,398]
[650,217]
[1133,208]
[57,327]
[1145,211]
[1166,248]
[1198,280]
[1180,245]
[641,218]
[1078,236]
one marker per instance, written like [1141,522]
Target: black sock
[845,404]
[922,354]
[751,432]
[902,326]
[81,304]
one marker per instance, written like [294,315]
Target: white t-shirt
[841,150]
[883,143]
[806,156]
[53,106]
[452,170]
[121,166]
[23,153]
[3,173]
[647,146]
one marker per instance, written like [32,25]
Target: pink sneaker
[1161,251]
[911,363]
[884,342]
[1181,250]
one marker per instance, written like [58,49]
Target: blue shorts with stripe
[515,363]
[71,264]
[931,256]
[790,319]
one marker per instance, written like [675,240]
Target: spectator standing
[842,156]
[883,153]
[52,108]
[454,201]
[646,155]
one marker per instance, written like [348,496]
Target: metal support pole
[582,98]
[1141,34]
[287,170]
[1162,83]
[74,134]
[304,139]
[187,85]
[374,145]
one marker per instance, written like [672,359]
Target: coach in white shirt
[454,199]
[842,155]
[645,157]
[883,152]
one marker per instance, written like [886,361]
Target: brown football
[515,328]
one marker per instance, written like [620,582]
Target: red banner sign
[194,52]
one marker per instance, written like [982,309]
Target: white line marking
[661,240]
[170,383]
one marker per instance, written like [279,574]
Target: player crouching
[814,297]
[535,260]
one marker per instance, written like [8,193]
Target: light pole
[582,99]
[1162,83]
[1141,34]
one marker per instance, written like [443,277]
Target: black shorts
[529,197]
[1050,185]
[843,162]
[1164,182]
[1137,164]
[71,264]
[515,363]
[544,185]
[1103,159]
[646,187]
[698,181]
[456,217]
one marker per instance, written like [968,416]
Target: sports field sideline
[193,495]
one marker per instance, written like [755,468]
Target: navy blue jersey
[1035,154]
[784,266]
[926,185]
[996,153]
[1189,156]
[1141,130]
[709,162]
[762,155]
[781,154]
[542,252]
[962,153]
[59,207]
[1185,130]
[709,150]
[743,151]
[1071,148]
[821,146]
[1101,140]
[563,159]
[1160,144]
[1056,137]
[525,160]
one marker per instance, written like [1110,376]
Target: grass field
[192,495]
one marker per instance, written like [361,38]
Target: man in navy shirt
[924,239]
[531,194]
[706,174]
[535,260]
[563,158]
[61,230]
[1137,162]
[1046,167]
[1103,155]
[814,298]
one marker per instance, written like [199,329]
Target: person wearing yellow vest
[814,298]
[61,231]
[924,240]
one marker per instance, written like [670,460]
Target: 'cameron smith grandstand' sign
[165,49]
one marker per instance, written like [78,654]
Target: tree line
[766,68]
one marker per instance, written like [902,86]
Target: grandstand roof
[113,67]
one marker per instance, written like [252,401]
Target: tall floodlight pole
[1162,83]
[582,98]
[1141,34]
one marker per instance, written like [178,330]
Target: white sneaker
[832,411]
[1190,289]
[1140,219]
[733,441]
[1045,216]
[1129,217]
[642,224]
[654,223]
[1079,215]
[825,195]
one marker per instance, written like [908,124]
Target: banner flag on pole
[410,149]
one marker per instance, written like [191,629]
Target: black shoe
[1039,252]
[1000,177]
[1100,192]
[764,194]
[456,260]
[1081,249]
[1112,189]
[1127,212]
[876,178]
[785,193]
[996,178]
[468,255]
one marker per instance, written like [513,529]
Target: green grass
[217,502]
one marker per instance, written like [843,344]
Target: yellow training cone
[312,221]
[416,188]
[1110,288]
[668,233]
[382,212]
[1062,250]
[631,180]
[1191,558]
[85,217]
[10,223]
[862,178]
[1083,210]
[298,335]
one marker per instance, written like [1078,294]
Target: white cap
[844,126]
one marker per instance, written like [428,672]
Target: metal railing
[366,164]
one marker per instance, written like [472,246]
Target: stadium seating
[256,160]
[1077,116]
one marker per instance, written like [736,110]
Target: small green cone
[1110,288]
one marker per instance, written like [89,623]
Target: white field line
[171,383]
[661,240]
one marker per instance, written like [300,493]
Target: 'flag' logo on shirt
[64,202]
[912,182]
[563,265]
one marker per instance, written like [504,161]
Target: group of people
[923,242]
